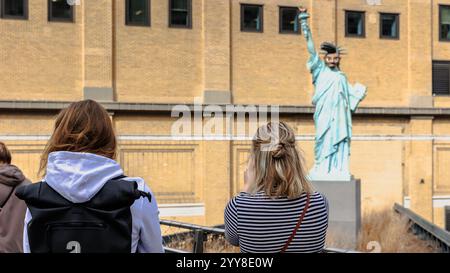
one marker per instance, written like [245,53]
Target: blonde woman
[278,211]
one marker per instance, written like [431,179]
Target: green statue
[334,100]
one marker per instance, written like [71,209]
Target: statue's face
[332,60]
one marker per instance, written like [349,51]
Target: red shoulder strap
[298,224]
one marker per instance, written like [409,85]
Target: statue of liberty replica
[334,100]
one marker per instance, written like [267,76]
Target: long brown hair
[5,154]
[83,126]
[277,164]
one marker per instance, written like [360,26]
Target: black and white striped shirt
[258,223]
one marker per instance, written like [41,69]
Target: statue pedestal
[344,199]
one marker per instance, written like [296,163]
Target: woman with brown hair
[278,211]
[85,203]
[12,210]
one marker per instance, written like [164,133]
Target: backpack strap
[7,198]
[119,177]
[141,193]
[299,222]
[146,194]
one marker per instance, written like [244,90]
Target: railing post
[198,241]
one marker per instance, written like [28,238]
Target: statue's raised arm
[303,16]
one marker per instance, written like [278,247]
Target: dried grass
[386,232]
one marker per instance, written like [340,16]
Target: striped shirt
[260,224]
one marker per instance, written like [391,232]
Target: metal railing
[195,235]
[426,230]
[198,235]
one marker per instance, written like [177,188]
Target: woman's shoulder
[246,198]
[318,199]
[317,195]
[145,210]
[243,196]
[142,186]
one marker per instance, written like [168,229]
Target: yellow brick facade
[399,157]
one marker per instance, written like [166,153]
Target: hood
[10,175]
[79,176]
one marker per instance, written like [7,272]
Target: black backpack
[103,224]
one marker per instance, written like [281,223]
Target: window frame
[363,18]
[58,19]
[261,10]
[14,17]
[280,21]
[148,12]
[397,18]
[189,25]
[432,78]
[439,23]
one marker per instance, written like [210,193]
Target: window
[444,23]
[251,18]
[289,20]
[441,77]
[137,12]
[355,24]
[180,13]
[60,10]
[389,26]
[14,9]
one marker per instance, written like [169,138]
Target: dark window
[289,20]
[389,26]
[60,10]
[441,77]
[444,23]
[180,13]
[251,18]
[14,9]
[355,24]
[137,12]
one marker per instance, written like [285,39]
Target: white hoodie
[79,176]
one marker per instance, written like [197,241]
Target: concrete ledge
[167,107]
